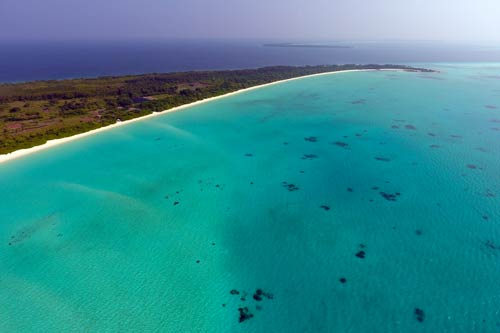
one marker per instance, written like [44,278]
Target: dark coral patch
[258,295]
[290,187]
[245,314]
[390,196]
[492,246]
[268,295]
[341,144]
[434,146]
[309,157]
[359,101]
[343,280]
[234,292]
[361,254]
[410,127]
[419,315]
[489,194]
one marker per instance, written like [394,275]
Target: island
[318,46]
[31,113]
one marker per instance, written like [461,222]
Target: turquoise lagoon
[357,202]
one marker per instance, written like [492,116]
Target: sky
[454,20]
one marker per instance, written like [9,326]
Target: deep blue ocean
[42,60]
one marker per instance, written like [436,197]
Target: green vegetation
[32,113]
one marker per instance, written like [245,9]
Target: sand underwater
[355,202]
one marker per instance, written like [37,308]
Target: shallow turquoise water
[104,233]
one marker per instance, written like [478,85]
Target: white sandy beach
[51,143]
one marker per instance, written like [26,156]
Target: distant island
[319,46]
[34,112]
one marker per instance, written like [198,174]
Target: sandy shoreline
[51,143]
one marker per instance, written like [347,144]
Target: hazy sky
[284,19]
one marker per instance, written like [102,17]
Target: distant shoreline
[56,142]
